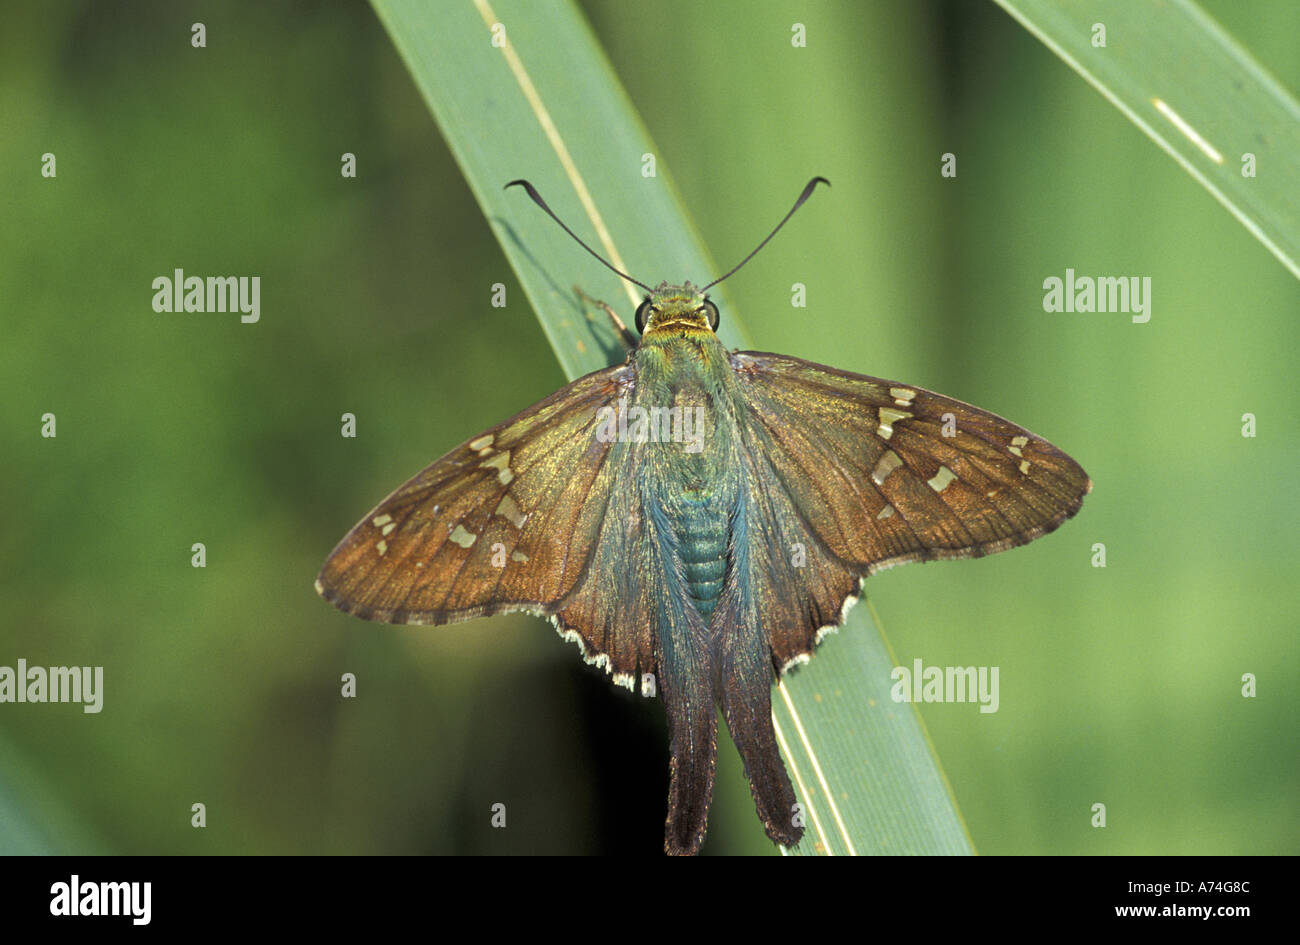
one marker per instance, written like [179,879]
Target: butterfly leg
[624,333]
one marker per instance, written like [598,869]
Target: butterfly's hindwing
[796,583]
[879,473]
[613,609]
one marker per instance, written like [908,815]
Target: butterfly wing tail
[686,684]
[748,710]
[745,690]
[692,730]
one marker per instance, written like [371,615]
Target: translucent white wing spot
[886,512]
[482,444]
[903,396]
[382,547]
[501,463]
[941,479]
[508,509]
[888,463]
[888,417]
[463,537]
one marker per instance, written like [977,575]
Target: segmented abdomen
[702,550]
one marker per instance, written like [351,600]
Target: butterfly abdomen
[702,551]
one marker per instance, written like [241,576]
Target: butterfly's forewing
[871,473]
[509,520]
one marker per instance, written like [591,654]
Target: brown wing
[870,473]
[508,520]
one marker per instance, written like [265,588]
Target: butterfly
[696,519]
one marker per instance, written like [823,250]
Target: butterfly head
[676,308]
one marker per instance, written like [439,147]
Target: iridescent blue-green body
[711,650]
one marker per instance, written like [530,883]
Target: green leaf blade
[1197,93]
[866,752]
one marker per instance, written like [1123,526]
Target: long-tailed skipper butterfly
[696,518]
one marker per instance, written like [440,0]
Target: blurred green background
[1119,686]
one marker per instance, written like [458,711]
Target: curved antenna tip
[807,192]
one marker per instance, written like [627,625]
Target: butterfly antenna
[807,192]
[537,199]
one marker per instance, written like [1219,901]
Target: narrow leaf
[1197,93]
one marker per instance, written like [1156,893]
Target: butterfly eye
[642,313]
[712,311]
